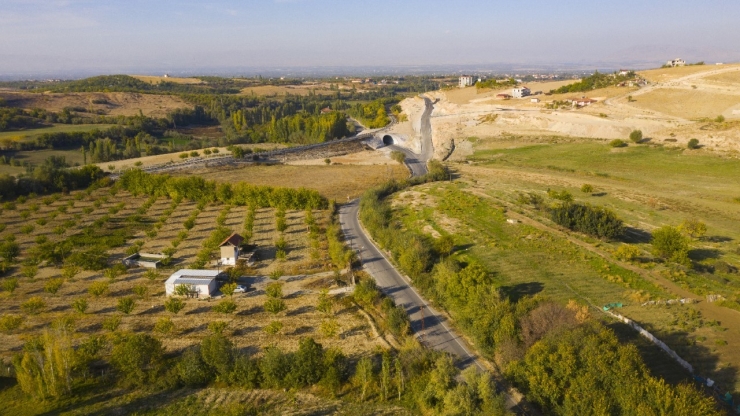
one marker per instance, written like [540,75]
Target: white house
[466,81]
[202,283]
[520,92]
[230,249]
[676,62]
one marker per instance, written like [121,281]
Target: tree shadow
[717,239]
[199,310]
[199,328]
[301,310]
[635,236]
[518,291]
[246,330]
[598,194]
[700,254]
[250,311]
[302,330]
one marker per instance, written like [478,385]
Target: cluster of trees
[373,114]
[302,128]
[495,84]
[15,118]
[566,362]
[125,83]
[595,81]
[53,175]
[198,189]
[595,221]
[50,367]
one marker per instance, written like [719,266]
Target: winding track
[427,324]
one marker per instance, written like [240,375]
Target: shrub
[693,144]
[174,305]
[586,188]
[281,244]
[29,271]
[140,291]
[10,284]
[274,305]
[719,119]
[10,322]
[194,154]
[329,328]
[33,306]
[618,143]
[27,229]
[273,327]
[98,289]
[126,305]
[191,370]
[184,156]
[164,325]
[693,228]
[111,323]
[80,305]
[226,306]
[274,290]
[636,136]
[138,357]
[596,221]
[228,289]
[276,274]
[670,244]
[217,327]
[562,195]
[627,252]
[52,285]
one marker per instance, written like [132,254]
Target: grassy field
[334,181]
[36,157]
[245,326]
[648,187]
[56,128]
[669,74]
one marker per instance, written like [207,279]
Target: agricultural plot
[648,187]
[94,299]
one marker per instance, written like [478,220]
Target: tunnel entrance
[387,140]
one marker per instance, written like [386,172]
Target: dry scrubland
[648,186]
[333,181]
[112,103]
[151,79]
[678,104]
[245,326]
[268,90]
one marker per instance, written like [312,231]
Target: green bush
[636,136]
[33,306]
[274,305]
[80,305]
[273,327]
[111,323]
[693,144]
[586,188]
[52,285]
[139,358]
[98,289]
[10,323]
[10,284]
[595,221]
[164,325]
[670,244]
[226,306]
[618,143]
[174,305]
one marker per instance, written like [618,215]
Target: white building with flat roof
[520,92]
[466,81]
[202,283]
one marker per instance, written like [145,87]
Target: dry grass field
[245,326]
[159,79]
[333,182]
[686,103]
[263,90]
[670,74]
[116,103]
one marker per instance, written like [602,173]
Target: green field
[648,187]
[56,128]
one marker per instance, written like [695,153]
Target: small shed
[230,249]
[202,283]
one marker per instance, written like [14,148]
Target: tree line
[198,189]
[595,81]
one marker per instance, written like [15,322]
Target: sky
[188,37]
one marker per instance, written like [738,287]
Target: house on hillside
[520,92]
[231,249]
[466,81]
[503,96]
[581,102]
[200,283]
[325,110]
[675,62]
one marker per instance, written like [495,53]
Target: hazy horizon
[85,37]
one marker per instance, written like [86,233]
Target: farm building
[581,102]
[230,249]
[520,92]
[202,283]
[503,96]
[675,62]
